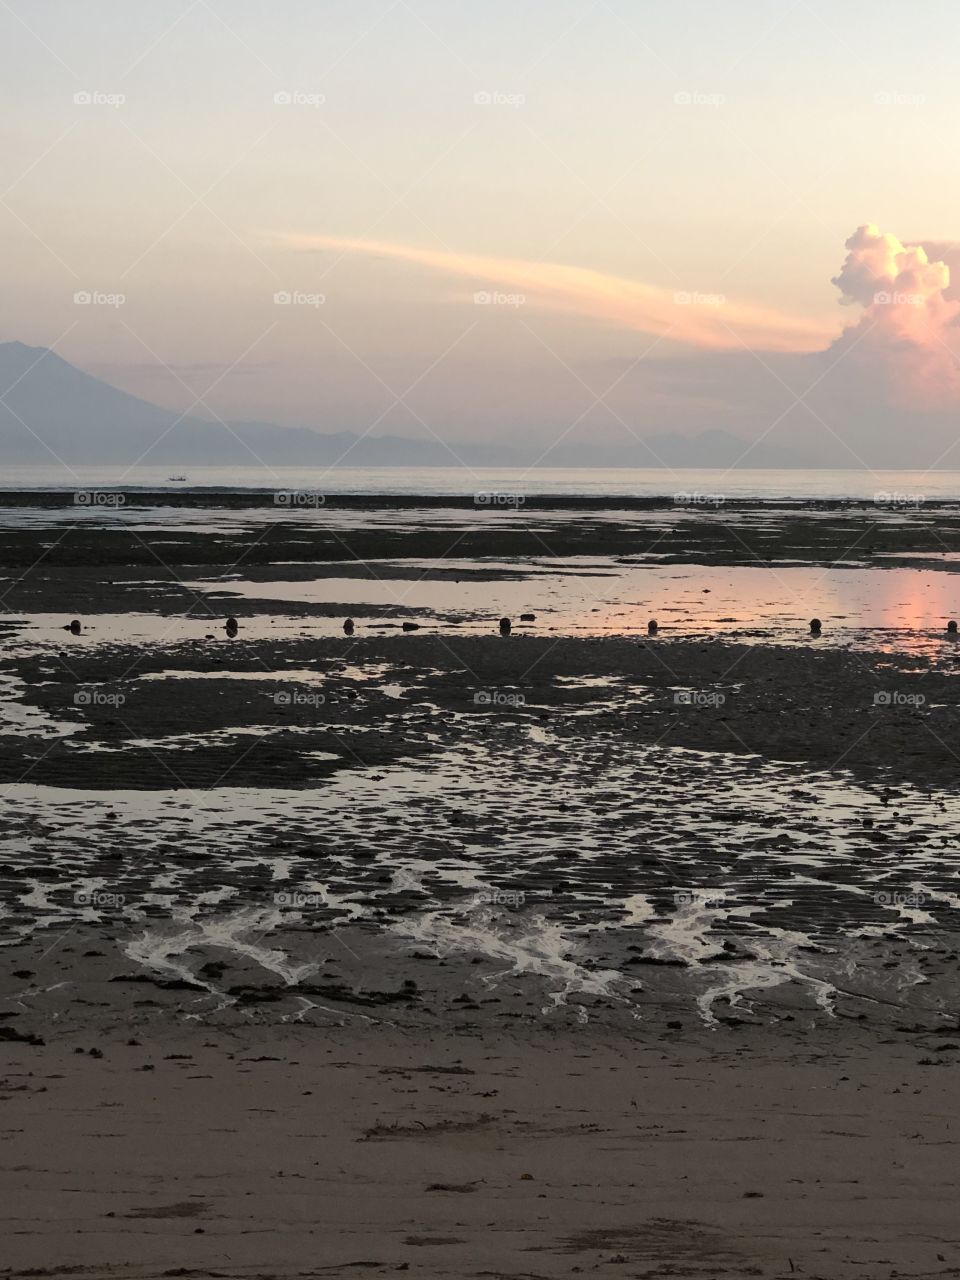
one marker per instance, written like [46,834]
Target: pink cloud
[707,321]
[908,332]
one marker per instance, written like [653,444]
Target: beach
[479,642]
[587,946]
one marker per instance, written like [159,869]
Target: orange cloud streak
[708,321]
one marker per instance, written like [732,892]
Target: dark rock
[21,1037]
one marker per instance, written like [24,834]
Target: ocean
[902,487]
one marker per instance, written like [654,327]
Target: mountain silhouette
[51,411]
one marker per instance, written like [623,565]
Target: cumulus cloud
[947,251]
[908,331]
[877,262]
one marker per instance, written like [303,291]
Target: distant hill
[52,411]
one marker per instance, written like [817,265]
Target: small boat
[177,479]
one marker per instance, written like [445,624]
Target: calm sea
[899,486]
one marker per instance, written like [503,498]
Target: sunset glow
[712,322]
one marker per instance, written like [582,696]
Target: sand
[365,1150]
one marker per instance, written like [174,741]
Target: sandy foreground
[547,1150]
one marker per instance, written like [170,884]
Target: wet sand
[468,954]
[153,532]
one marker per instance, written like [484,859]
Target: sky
[534,219]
